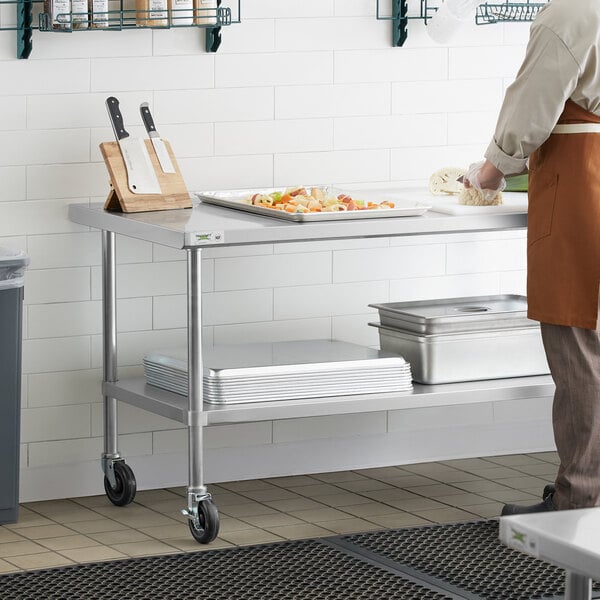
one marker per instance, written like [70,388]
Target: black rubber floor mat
[468,556]
[305,570]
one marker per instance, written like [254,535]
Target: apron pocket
[543,186]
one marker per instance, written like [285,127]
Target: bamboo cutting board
[174,193]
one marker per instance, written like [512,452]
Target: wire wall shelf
[486,14]
[210,19]
[505,12]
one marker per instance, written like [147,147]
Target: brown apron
[563,233]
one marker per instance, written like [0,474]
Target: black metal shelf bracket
[24,29]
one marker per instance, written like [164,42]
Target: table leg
[578,587]
[203,515]
[109,340]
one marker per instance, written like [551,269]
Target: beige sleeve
[534,101]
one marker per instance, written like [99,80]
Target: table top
[212,226]
[568,538]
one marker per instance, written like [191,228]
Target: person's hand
[484,176]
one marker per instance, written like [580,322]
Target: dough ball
[473,197]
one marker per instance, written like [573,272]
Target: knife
[141,178]
[159,146]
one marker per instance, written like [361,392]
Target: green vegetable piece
[276,196]
[517,183]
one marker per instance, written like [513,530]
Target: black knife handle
[147,117]
[116,118]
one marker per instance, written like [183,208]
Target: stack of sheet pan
[282,371]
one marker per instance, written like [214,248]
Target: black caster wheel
[124,493]
[208,527]
[548,490]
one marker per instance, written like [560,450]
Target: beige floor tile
[189,544]
[542,469]
[6,567]
[78,515]
[445,515]
[273,520]
[392,494]
[430,469]
[373,509]
[298,532]
[68,542]
[364,485]
[511,496]
[343,526]
[456,476]
[93,501]
[29,518]
[150,496]
[182,491]
[487,511]
[92,554]
[318,515]
[97,525]
[227,524]
[291,505]
[167,507]
[124,536]
[338,477]
[547,456]
[292,481]
[498,473]
[467,464]
[43,560]
[412,480]
[166,532]
[49,507]
[382,472]
[250,509]
[418,503]
[271,495]
[247,486]
[247,537]
[483,485]
[10,535]
[434,491]
[321,489]
[147,548]
[513,460]
[9,549]
[462,500]
[44,531]
[227,499]
[527,481]
[399,519]
[342,499]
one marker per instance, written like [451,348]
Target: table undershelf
[137,392]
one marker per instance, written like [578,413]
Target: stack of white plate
[282,371]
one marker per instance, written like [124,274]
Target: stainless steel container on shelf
[468,356]
[454,315]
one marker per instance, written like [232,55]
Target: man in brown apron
[551,118]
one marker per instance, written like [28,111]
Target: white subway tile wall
[302,91]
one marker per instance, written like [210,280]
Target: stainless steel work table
[566,538]
[207,226]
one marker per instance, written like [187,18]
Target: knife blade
[159,146]
[141,178]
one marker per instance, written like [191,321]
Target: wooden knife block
[174,192]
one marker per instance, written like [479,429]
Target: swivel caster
[205,525]
[125,489]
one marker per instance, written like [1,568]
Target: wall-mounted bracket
[24,30]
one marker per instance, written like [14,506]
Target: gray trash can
[12,271]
